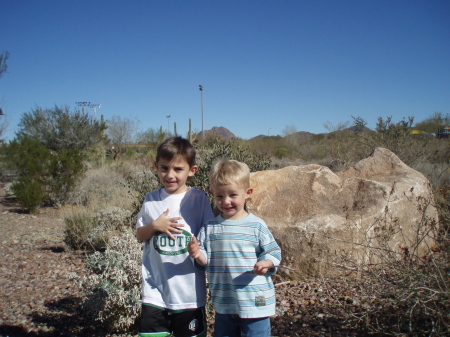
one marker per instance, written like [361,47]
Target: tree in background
[151,137]
[61,129]
[121,131]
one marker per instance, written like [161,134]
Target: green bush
[63,171]
[55,172]
[130,153]
[282,152]
[28,192]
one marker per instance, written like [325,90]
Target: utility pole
[203,115]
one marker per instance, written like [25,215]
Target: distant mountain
[356,128]
[224,133]
[301,136]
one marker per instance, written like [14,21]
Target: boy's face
[230,200]
[174,173]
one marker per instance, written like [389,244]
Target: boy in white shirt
[173,291]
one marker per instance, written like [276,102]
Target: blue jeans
[234,326]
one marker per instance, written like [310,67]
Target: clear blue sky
[263,64]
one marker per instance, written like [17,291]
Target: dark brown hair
[176,147]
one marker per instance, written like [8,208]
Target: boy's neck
[237,216]
[182,189]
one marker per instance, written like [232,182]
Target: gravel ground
[36,299]
[35,296]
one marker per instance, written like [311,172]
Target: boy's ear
[155,164]
[249,192]
[193,170]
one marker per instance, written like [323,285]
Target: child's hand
[261,267]
[167,225]
[194,248]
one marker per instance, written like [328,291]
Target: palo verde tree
[61,129]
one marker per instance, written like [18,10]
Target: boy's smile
[173,174]
[230,200]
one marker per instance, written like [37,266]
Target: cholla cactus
[113,285]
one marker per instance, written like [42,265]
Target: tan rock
[353,218]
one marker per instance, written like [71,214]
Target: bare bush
[113,218]
[410,290]
[102,187]
[113,283]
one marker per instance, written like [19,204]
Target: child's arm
[195,253]
[163,224]
[261,267]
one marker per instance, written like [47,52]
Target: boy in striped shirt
[239,254]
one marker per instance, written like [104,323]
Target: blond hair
[228,171]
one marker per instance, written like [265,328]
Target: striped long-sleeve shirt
[232,247]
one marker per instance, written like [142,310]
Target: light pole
[83,105]
[203,115]
[168,124]
[2,127]
[95,106]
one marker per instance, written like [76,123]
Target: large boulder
[379,209]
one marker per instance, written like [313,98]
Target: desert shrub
[113,218]
[113,283]
[55,172]
[96,155]
[265,144]
[78,230]
[409,291]
[28,192]
[282,152]
[396,137]
[102,187]
[89,230]
[139,185]
[65,169]
[130,153]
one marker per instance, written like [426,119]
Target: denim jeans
[234,326]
